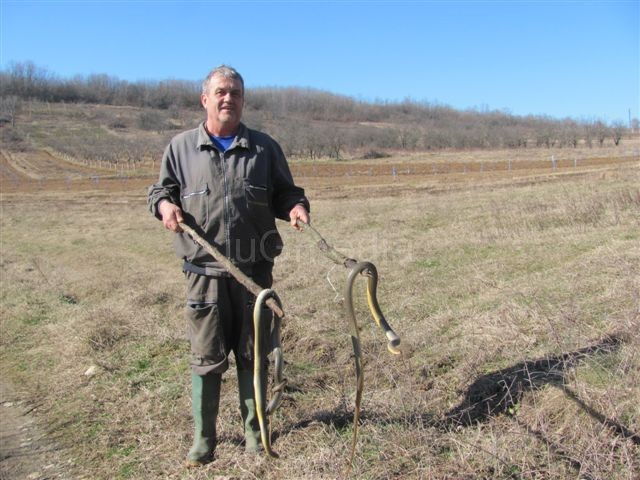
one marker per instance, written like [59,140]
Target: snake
[279,382]
[369,270]
[356,269]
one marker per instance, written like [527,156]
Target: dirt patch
[33,172]
[41,165]
[25,450]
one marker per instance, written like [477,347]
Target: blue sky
[571,58]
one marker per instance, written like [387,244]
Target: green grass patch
[427,263]
[128,470]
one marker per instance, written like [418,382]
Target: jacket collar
[241,140]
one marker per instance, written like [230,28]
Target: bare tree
[310,144]
[289,139]
[335,139]
[617,130]
[601,132]
[408,138]
[9,108]
[152,120]
[589,133]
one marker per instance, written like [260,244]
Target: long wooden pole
[249,284]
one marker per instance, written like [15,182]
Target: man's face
[223,103]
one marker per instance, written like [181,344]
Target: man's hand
[171,215]
[299,213]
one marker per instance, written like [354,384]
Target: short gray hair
[224,71]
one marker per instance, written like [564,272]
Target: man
[230,183]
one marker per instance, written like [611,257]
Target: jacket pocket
[258,199]
[195,202]
[257,196]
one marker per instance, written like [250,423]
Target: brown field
[34,171]
[516,293]
[42,165]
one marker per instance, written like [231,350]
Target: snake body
[393,341]
[258,366]
[369,270]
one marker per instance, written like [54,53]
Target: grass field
[516,293]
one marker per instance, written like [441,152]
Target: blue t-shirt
[223,143]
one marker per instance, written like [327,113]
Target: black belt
[190,267]
[220,272]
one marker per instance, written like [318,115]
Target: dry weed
[518,308]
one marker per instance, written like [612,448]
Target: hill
[308,123]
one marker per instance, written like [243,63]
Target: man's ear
[203,100]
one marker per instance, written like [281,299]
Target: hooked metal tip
[393,343]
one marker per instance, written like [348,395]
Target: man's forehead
[220,81]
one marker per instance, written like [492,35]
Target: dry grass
[519,309]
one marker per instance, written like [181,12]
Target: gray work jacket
[233,196]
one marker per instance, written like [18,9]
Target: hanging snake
[269,298]
[369,270]
[258,368]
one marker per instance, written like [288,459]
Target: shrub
[152,120]
[371,154]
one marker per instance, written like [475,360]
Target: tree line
[312,123]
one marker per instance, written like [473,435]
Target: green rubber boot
[205,397]
[253,441]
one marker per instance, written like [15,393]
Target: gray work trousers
[219,315]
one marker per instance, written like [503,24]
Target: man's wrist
[160,206]
[161,202]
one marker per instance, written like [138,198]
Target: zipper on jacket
[201,192]
[227,212]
